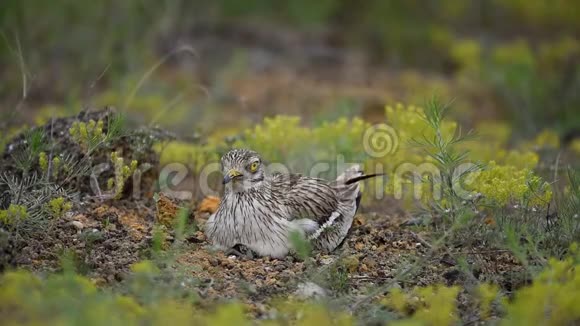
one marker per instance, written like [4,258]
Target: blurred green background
[301,81]
[207,65]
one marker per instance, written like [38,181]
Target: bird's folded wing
[306,197]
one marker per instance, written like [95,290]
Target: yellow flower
[503,184]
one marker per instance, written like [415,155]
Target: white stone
[310,290]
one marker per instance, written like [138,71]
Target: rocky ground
[380,253]
[383,250]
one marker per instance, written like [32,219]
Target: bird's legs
[241,250]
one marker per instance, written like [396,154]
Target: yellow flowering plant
[502,185]
[122,172]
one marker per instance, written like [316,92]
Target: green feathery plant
[34,144]
[453,164]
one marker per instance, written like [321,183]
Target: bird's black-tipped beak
[232,174]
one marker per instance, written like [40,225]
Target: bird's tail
[354,174]
[347,189]
[362,177]
[350,173]
[347,183]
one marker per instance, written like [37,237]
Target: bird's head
[242,169]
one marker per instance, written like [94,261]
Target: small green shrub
[59,206]
[13,214]
[88,134]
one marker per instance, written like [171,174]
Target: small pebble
[78,225]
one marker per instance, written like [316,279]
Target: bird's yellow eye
[254,166]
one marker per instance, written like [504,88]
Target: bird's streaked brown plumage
[260,211]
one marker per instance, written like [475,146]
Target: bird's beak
[231,175]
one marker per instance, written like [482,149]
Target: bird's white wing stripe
[308,226]
[324,226]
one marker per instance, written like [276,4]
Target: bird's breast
[255,222]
